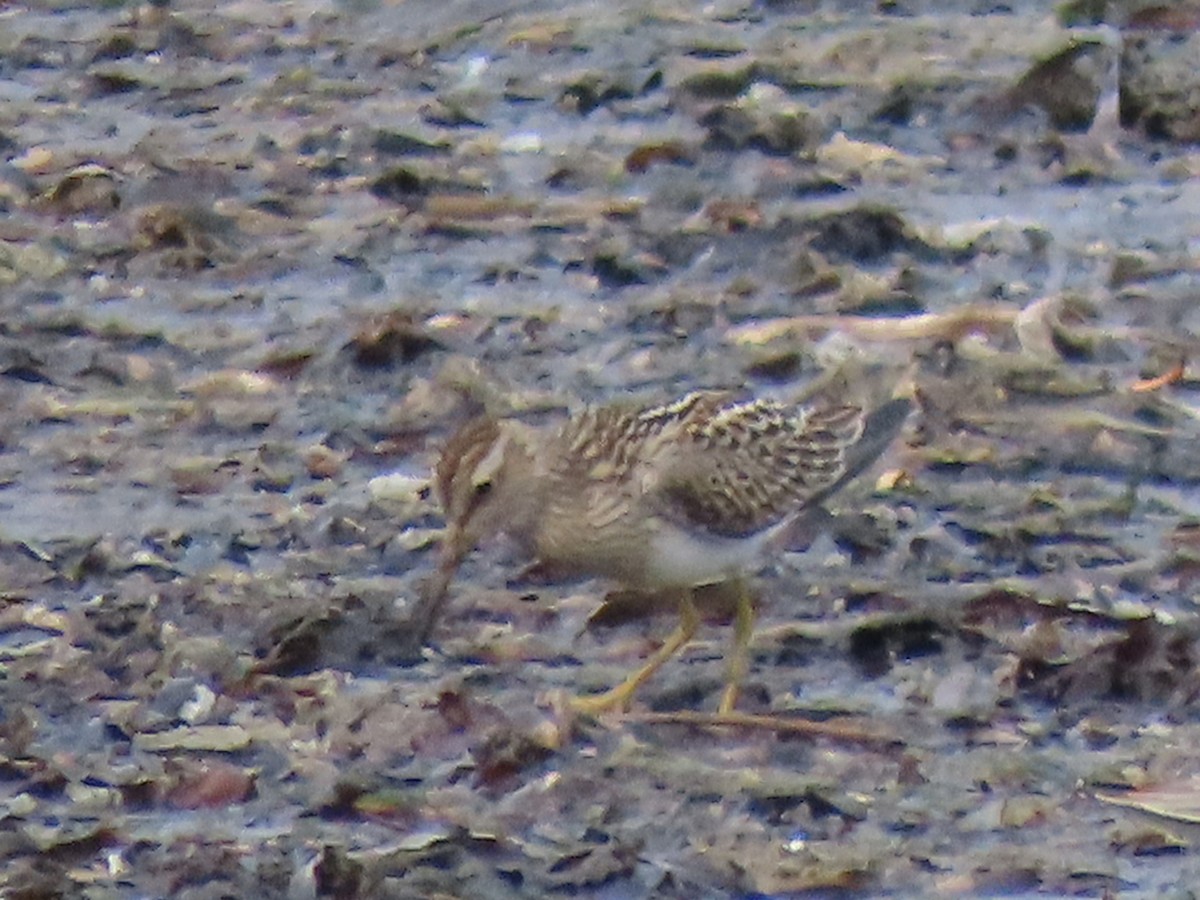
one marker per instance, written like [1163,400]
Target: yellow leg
[739,661]
[620,696]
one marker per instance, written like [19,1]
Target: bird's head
[479,483]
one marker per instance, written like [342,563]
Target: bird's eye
[482,489]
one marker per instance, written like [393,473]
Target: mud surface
[257,260]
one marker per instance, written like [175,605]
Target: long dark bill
[434,591]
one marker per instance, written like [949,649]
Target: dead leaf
[1172,376]
[1178,800]
[211,784]
[220,738]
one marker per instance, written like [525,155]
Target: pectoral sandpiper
[664,498]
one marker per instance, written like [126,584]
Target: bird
[661,498]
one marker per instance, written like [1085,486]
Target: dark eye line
[478,495]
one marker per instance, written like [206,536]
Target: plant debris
[258,260]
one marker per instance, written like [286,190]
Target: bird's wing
[601,454]
[751,465]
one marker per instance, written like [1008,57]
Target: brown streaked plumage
[664,498]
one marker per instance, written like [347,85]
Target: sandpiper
[665,498]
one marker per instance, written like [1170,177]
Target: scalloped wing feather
[751,465]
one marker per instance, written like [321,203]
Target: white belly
[683,558]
